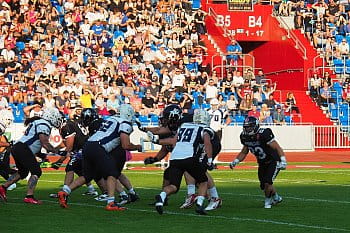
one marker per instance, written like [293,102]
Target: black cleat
[133,197]
[164,204]
[159,204]
[200,210]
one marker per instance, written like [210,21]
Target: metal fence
[328,136]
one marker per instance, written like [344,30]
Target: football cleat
[11,187]
[62,199]
[200,209]
[214,203]
[114,207]
[165,203]
[3,193]
[268,203]
[90,193]
[32,200]
[102,197]
[276,199]
[189,201]
[133,197]
[159,204]
[53,195]
[124,199]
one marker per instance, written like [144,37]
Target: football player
[74,134]
[6,119]
[219,118]
[185,157]
[170,120]
[24,150]
[270,157]
[104,155]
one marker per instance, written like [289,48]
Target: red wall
[275,52]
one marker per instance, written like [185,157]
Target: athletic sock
[122,194]
[132,191]
[66,189]
[163,196]
[110,200]
[275,196]
[213,192]
[191,189]
[200,200]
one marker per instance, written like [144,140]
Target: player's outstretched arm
[240,157]
[283,163]
[209,150]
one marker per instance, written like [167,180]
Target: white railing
[328,136]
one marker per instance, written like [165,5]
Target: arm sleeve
[126,128]
[267,136]
[210,132]
[67,130]
[43,129]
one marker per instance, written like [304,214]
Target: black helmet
[171,116]
[88,115]
[251,125]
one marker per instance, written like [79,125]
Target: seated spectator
[86,98]
[101,105]
[49,101]
[231,104]
[148,104]
[246,105]
[233,50]
[270,102]
[346,93]
[226,84]
[222,103]
[161,102]
[172,97]
[278,116]
[265,115]
[254,112]
[33,110]
[62,102]
[186,102]
[291,103]
[112,104]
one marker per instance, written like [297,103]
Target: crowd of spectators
[82,54]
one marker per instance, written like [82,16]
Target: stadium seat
[205,106]
[144,119]
[339,38]
[338,66]
[239,119]
[334,111]
[154,119]
[196,4]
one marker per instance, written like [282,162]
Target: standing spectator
[211,90]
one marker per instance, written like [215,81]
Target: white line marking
[213,217]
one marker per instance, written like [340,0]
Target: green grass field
[315,201]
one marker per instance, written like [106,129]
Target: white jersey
[108,135]
[189,139]
[217,117]
[31,135]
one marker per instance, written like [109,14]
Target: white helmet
[6,117]
[201,116]
[53,116]
[126,112]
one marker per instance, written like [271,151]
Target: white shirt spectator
[343,47]
[8,54]
[50,67]
[178,80]
[149,55]
[64,88]
[3,103]
[237,80]
[211,91]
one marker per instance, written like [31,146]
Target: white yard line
[257,220]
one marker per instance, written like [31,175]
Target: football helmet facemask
[251,125]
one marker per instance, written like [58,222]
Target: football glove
[283,163]
[150,160]
[153,138]
[234,163]
[62,153]
[56,165]
[139,125]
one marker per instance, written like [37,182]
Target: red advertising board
[244,25]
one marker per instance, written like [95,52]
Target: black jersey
[215,141]
[80,133]
[258,145]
